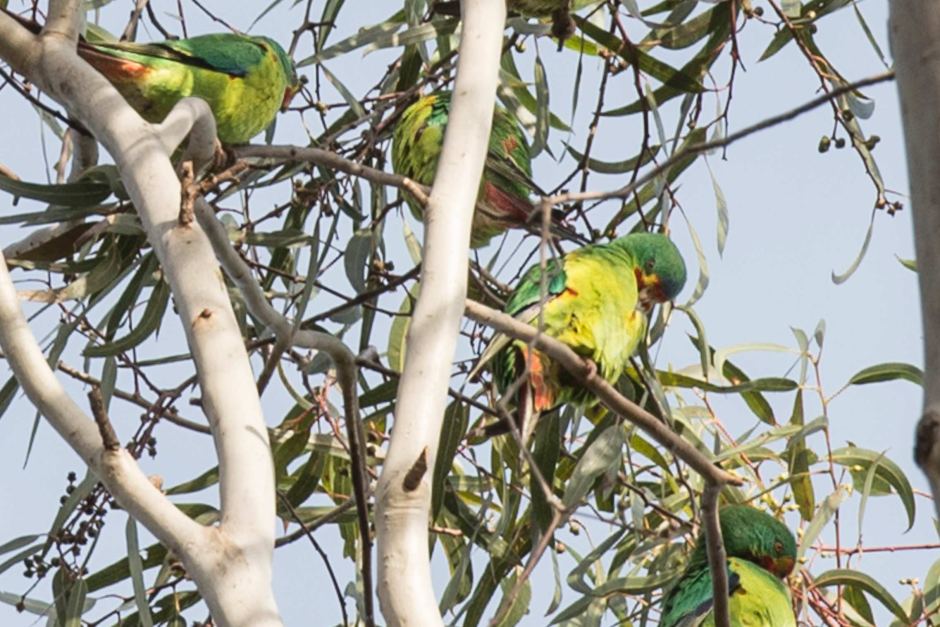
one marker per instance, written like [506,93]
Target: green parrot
[503,200]
[546,8]
[596,302]
[563,26]
[246,80]
[761,552]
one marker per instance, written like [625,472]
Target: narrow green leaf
[145,327]
[910,264]
[752,398]
[702,284]
[17,558]
[856,599]
[842,278]
[546,455]
[513,608]
[382,393]
[542,113]
[351,99]
[868,34]
[398,334]
[386,35]
[33,606]
[456,417]
[602,455]
[78,194]
[820,332]
[890,371]
[203,481]
[799,460]
[614,167]
[825,512]
[663,72]
[331,9]
[887,471]
[76,604]
[858,579]
[17,543]
[722,206]
[791,8]
[932,589]
[768,384]
[7,392]
[356,259]
[137,573]
[154,555]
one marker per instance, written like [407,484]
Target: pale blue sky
[796,216]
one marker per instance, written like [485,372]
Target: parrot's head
[758,537]
[290,73]
[660,269]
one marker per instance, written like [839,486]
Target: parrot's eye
[778,547]
[649,265]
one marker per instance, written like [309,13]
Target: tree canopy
[322,264]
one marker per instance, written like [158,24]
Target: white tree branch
[63,19]
[915,32]
[288,335]
[403,494]
[191,117]
[233,571]
[116,469]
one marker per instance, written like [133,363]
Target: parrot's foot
[192,189]
[222,158]
[450,8]
[563,26]
[590,369]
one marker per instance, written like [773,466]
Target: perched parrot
[545,8]
[596,302]
[246,80]
[503,200]
[563,26]
[761,552]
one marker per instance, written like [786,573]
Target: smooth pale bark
[915,41]
[231,563]
[403,495]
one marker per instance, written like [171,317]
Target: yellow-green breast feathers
[594,303]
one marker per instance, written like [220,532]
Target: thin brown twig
[587,376]
[108,436]
[695,149]
[316,545]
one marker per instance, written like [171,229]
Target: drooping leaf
[862,581]
[891,371]
[887,471]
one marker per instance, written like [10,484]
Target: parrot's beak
[289,94]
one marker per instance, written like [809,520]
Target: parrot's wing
[227,53]
[524,304]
